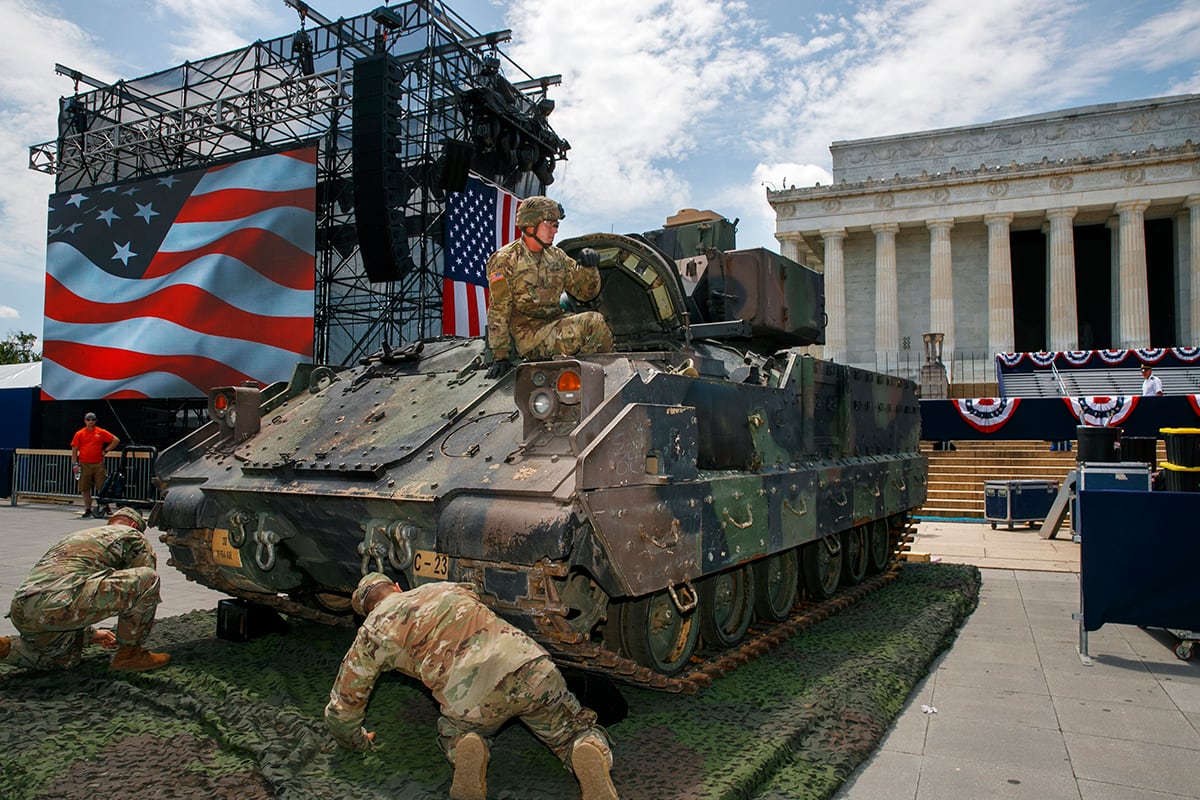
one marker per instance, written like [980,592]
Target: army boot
[470,769]
[131,658]
[590,764]
[5,647]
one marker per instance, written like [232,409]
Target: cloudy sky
[667,104]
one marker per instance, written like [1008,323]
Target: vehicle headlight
[542,404]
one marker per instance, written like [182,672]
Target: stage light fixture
[544,170]
[527,156]
[302,51]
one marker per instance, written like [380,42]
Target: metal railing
[46,475]
[962,366]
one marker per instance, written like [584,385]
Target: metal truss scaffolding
[299,89]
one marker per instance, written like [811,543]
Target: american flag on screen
[168,286]
[479,220]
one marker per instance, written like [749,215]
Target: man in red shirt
[88,447]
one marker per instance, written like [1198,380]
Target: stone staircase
[956,477]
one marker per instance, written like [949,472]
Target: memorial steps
[956,477]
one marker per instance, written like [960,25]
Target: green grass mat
[243,721]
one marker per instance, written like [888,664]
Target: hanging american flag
[166,287]
[479,220]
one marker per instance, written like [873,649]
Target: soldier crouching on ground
[526,278]
[481,670]
[88,576]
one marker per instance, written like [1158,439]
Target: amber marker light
[221,404]
[568,386]
[569,382]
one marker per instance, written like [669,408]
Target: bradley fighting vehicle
[623,508]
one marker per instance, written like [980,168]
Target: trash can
[1097,444]
[1180,479]
[1183,446]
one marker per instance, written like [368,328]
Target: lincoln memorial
[1069,230]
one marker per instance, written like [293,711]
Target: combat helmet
[534,210]
[369,581]
[132,515]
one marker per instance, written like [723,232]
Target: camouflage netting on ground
[243,721]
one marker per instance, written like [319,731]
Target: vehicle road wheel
[854,556]
[776,581]
[880,546]
[726,606]
[656,635]
[821,566]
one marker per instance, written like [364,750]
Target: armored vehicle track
[706,665]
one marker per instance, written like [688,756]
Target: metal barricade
[46,475]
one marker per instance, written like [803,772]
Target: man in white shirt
[1151,385]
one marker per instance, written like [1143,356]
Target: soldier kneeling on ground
[87,577]
[481,670]
[526,279]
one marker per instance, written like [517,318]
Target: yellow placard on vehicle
[223,552]
[431,564]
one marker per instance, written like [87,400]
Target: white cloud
[1171,38]
[7,312]
[202,28]
[34,43]
[648,85]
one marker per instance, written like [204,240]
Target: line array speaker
[380,180]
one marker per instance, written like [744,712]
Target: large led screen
[168,286]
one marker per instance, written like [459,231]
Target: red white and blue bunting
[1101,411]
[987,414]
[1097,359]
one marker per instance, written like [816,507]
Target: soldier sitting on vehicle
[526,278]
[87,577]
[481,670]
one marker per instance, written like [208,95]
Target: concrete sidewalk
[1021,548]
[1011,711]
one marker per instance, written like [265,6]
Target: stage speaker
[456,163]
[380,180]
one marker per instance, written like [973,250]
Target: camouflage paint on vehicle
[590,500]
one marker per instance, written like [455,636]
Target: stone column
[789,245]
[1001,334]
[1064,314]
[1114,282]
[1135,294]
[887,320]
[941,284]
[835,293]
[1193,205]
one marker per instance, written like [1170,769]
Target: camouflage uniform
[481,670]
[87,577]
[524,300]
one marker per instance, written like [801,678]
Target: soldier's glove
[589,257]
[499,367]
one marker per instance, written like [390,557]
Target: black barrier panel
[1047,418]
[1140,448]
[1138,557]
